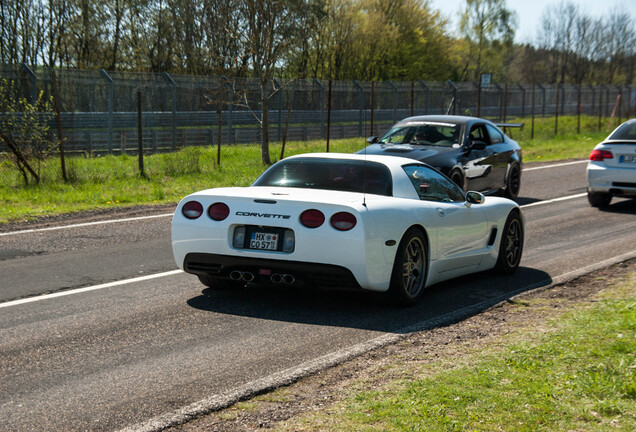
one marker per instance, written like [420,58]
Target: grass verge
[113,181]
[572,371]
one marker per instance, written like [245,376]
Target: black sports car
[473,152]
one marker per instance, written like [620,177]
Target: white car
[611,170]
[380,223]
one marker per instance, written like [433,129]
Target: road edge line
[294,374]
[87,289]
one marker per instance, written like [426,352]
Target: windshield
[627,131]
[437,134]
[329,174]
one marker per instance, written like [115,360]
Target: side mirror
[473,197]
[372,140]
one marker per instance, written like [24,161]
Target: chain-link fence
[103,113]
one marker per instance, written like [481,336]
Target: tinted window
[478,133]
[433,186]
[496,136]
[330,174]
[627,131]
[431,133]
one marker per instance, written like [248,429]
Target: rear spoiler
[510,125]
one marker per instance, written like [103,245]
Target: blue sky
[529,12]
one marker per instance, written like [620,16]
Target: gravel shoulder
[276,409]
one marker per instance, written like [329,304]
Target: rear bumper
[611,180]
[262,270]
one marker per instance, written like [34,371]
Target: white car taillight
[218,211]
[192,209]
[601,155]
[343,221]
[312,218]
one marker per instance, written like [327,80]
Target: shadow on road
[460,298]
[621,206]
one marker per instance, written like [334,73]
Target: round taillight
[218,211]
[343,221]
[601,155]
[312,218]
[192,209]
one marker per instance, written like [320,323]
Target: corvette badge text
[263,215]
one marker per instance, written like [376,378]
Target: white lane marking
[89,288]
[538,203]
[555,165]
[27,231]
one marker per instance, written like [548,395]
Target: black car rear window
[329,174]
[627,131]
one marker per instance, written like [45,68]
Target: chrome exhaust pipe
[276,278]
[236,275]
[288,279]
[247,276]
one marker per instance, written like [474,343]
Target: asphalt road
[126,354]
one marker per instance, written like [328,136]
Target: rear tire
[218,283]
[599,199]
[408,277]
[511,246]
[513,182]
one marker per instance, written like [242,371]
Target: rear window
[627,131]
[329,174]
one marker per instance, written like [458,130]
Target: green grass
[576,372]
[107,181]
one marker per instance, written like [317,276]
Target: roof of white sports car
[390,161]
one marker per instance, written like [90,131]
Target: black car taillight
[192,209]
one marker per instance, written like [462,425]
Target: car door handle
[441,212]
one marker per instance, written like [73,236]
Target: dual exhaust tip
[276,278]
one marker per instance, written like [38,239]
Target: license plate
[630,159]
[264,241]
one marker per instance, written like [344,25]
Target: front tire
[457,178]
[511,246]
[599,199]
[408,277]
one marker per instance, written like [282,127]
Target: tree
[270,33]
[489,27]
[24,129]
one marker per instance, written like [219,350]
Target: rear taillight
[218,211]
[343,221]
[312,218]
[601,155]
[192,209]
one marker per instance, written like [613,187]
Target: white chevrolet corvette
[380,223]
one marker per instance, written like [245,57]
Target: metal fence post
[394,100]
[321,89]
[111,91]
[140,135]
[426,99]
[34,83]
[523,99]
[500,100]
[454,101]
[173,93]
[229,109]
[542,100]
[279,88]
[361,106]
